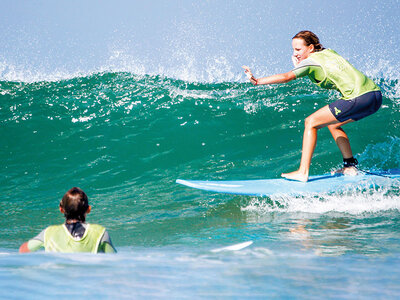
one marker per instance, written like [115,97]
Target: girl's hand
[295,61]
[247,71]
[249,75]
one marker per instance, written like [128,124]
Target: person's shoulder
[40,236]
[325,51]
[101,229]
[53,227]
[96,227]
[307,63]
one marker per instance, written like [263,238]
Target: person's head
[75,205]
[304,43]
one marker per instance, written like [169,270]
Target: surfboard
[235,247]
[316,184]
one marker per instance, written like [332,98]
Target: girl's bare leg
[321,118]
[342,141]
[341,138]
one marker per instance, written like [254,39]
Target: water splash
[352,202]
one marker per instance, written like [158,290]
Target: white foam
[352,203]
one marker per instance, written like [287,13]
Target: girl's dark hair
[309,38]
[75,204]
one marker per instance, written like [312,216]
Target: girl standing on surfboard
[361,97]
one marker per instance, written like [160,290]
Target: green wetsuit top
[91,238]
[329,70]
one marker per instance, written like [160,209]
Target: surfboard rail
[327,183]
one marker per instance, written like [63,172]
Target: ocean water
[125,139]
[123,98]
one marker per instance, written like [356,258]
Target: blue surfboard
[316,184]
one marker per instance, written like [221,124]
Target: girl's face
[300,50]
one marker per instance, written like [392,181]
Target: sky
[190,40]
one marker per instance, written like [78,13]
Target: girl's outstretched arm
[278,78]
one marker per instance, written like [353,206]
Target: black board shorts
[356,108]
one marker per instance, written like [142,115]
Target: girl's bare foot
[296,175]
[351,171]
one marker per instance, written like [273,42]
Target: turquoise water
[125,139]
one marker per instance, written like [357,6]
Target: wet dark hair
[75,204]
[309,38]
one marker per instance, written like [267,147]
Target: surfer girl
[361,97]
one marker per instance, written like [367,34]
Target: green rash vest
[57,238]
[329,70]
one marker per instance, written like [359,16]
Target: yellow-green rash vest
[329,70]
[58,239]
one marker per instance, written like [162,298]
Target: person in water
[361,97]
[74,235]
